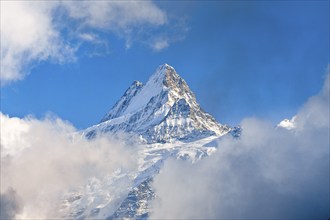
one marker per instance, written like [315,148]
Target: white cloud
[116,15]
[160,44]
[31,31]
[13,129]
[42,159]
[88,37]
[269,173]
[28,34]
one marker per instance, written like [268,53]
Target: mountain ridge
[162,110]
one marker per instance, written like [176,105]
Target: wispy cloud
[88,37]
[269,173]
[50,30]
[116,15]
[159,44]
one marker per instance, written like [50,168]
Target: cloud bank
[268,173]
[41,160]
[54,31]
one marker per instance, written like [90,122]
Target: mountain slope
[163,110]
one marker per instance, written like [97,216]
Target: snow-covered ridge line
[162,110]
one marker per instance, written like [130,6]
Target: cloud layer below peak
[42,161]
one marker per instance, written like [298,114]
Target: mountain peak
[163,109]
[165,66]
[163,75]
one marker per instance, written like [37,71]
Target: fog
[41,159]
[269,172]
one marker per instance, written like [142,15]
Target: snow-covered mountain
[161,111]
[169,122]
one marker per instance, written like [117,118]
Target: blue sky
[240,58]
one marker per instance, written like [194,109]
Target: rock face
[161,111]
